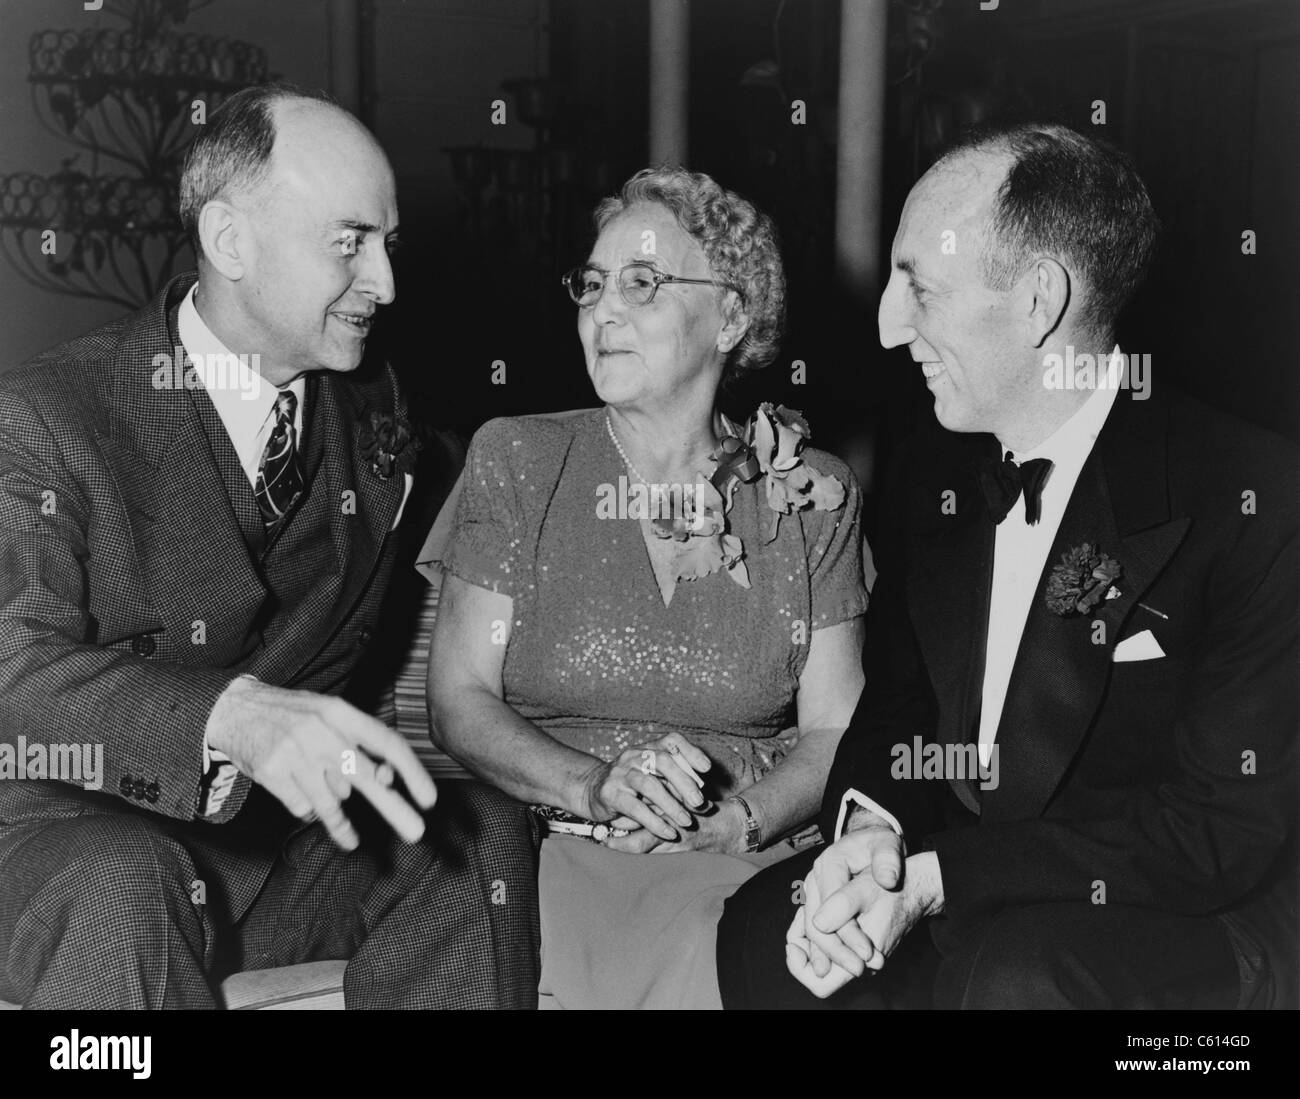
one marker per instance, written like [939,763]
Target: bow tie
[1003,482]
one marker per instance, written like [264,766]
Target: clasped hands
[653,793]
[311,751]
[860,899]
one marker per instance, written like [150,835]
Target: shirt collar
[243,400]
[1072,442]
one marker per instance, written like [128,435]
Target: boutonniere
[1085,577]
[388,442]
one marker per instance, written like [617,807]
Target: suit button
[143,645]
[364,637]
[151,792]
[126,785]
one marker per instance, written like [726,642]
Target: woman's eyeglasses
[637,283]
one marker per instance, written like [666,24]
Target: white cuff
[224,780]
[212,755]
[852,797]
[220,789]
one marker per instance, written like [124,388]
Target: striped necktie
[279,473]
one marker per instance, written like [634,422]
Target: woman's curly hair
[739,242]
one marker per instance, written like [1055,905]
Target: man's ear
[736,324]
[225,238]
[1047,293]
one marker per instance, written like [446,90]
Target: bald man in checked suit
[192,565]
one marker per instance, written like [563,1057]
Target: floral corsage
[771,444]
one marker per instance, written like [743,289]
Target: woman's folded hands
[654,792]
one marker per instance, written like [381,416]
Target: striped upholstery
[401,703]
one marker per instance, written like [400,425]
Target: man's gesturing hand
[296,744]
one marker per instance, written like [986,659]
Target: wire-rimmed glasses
[637,283]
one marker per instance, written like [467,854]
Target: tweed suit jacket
[130,596]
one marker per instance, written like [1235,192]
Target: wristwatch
[753,837]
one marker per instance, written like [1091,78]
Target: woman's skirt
[635,931]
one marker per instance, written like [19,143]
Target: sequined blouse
[594,656]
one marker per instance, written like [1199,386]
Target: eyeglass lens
[636,282]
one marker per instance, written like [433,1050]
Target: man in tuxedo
[1069,780]
[197,507]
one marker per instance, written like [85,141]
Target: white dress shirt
[1020,551]
[245,403]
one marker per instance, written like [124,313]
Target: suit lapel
[950,566]
[356,533]
[190,545]
[1120,503]
[222,451]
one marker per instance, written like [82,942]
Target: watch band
[557,820]
[753,835]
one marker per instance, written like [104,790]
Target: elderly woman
[650,625]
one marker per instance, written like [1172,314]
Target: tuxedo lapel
[190,546]
[950,567]
[1058,682]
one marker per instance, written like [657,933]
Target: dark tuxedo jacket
[1172,780]
[125,523]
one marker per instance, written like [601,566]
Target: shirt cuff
[219,773]
[851,798]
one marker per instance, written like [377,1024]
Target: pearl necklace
[609,427]
[613,438]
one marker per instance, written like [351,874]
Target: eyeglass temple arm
[699,282]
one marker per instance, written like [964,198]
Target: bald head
[268,135]
[316,142]
[960,194]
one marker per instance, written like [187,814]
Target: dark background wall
[1204,95]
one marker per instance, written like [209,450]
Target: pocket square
[1141,646]
[406,495]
